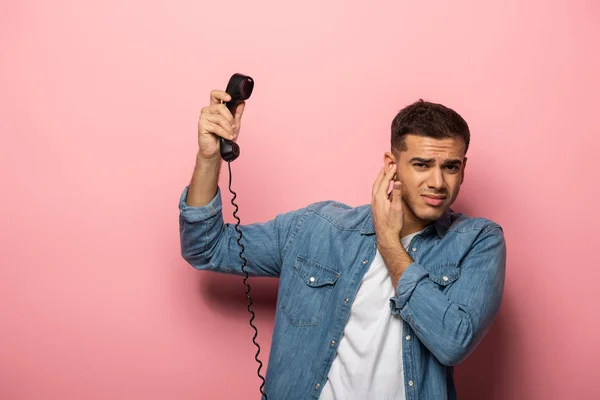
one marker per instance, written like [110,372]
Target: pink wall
[98,111]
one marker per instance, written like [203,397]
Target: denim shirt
[448,297]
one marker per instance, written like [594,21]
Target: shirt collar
[441,225]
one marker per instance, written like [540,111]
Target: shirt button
[410,383]
[318,385]
[346,300]
[332,343]
[365,261]
[414,249]
[445,279]
[407,337]
[312,279]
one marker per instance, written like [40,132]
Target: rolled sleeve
[451,322]
[196,214]
[409,280]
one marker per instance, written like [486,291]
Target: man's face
[431,171]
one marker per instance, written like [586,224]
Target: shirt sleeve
[451,322]
[208,243]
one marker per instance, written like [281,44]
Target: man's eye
[419,165]
[452,167]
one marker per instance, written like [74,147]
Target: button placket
[414,244]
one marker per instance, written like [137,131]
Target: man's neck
[412,224]
[410,228]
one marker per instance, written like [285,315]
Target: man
[379,301]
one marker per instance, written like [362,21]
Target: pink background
[98,110]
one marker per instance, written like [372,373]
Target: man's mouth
[434,200]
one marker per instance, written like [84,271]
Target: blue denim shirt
[448,297]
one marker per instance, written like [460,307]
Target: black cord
[239,240]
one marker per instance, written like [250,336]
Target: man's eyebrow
[432,160]
[422,160]
[452,162]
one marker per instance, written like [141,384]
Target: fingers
[377,182]
[219,109]
[217,129]
[218,96]
[217,119]
[221,117]
[238,113]
[396,196]
[217,124]
[218,113]
[384,184]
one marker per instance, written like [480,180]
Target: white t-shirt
[368,363]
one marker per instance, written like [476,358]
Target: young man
[375,302]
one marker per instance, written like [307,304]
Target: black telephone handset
[240,88]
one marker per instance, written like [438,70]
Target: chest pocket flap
[444,274]
[313,273]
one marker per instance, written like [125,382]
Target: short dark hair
[424,118]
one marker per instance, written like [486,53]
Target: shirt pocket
[445,274]
[308,292]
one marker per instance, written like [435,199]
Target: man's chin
[431,214]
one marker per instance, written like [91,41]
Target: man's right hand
[216,121]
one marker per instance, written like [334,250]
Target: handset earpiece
[239,88]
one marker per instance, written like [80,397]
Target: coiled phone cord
[260,364]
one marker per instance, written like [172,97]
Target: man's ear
[464,165]
[389,160]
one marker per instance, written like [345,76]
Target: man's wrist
[389,242]
[208,162]
[395,256]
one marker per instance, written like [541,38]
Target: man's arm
[207,243]
[395,256]
[204,182]
[451,323]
